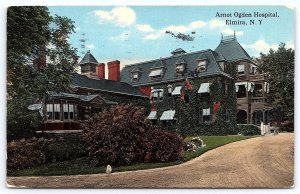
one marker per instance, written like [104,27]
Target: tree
[279,68]
[34,37]
[123,135]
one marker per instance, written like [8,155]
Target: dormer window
[134,76]
[180,66]
[201,66]
[179,69]
[156,74]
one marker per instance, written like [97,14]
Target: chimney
[101,71]
[114,70]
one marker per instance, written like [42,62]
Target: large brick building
[203,91]
[218,94]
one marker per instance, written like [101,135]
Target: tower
[89,65]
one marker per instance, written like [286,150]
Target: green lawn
[81,166]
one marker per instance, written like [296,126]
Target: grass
[81,165]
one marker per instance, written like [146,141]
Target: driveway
[262,162]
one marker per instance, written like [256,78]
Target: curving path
[254,163]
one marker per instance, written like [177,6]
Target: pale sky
[132,34]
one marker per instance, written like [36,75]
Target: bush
[162,145]
[288,127]
[25,153]
[248,130]
[35,152]
[122,135]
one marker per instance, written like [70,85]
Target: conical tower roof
[88,58]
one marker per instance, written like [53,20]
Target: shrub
[288,127]
[25,153]
[122,135]
[248,130]
[162,145]
[35,152]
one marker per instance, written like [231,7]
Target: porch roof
[83,98]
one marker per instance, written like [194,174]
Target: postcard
[150,96]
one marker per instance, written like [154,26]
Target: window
[201,66]
[68,110]
[157,94]
[179,69]
[225,115]
[206,115]
[169,90]
[156,74]
[56,111]
[135,77]
[240,91]
[49,111]
[253,69]
[226,89]
[241,69]
[258,90]
[93,68]
[84,68]
[167,118]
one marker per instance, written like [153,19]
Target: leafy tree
[123,135]
[34,37]
[279,68]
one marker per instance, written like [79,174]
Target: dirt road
[254,163]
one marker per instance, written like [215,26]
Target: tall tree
[39,59]
[279,66]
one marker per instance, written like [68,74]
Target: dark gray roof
[158,64]
[88,58]
[232,50]
[180,61]
[85,98]
[105,85]
[169,63]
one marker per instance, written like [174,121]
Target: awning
[152,115]
[167,115]
[204,88]
[248,85]
[176,90]
[35,106]
[156,72]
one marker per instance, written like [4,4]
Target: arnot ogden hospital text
[244,14]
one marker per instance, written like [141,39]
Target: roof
[88,58]
[84,98]
[168,63]
[178,51]
[105,85]
[232,50]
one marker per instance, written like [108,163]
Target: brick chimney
[101,71]
[114,70]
